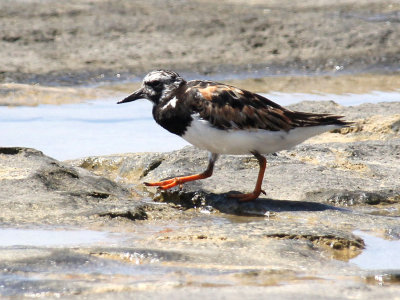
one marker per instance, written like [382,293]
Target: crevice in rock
[139,214]
[99,195]
[10,150]
[183,198]
[152,166]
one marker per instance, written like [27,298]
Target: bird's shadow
[263,206]
[225,204]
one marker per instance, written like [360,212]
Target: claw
[170,183]
[174,182]
[160,183]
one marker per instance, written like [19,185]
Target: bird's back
[227,107]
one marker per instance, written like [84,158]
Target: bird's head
[157,85]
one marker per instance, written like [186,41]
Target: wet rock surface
[301,239]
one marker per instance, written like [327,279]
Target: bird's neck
[171,114]
[171,93]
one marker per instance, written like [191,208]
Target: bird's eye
[155,83]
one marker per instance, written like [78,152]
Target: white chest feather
[170,103]
[236,141]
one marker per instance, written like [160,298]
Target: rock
[323,199]
[324,173]
[38,189]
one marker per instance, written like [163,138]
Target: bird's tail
[302,119]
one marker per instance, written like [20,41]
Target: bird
[224,119]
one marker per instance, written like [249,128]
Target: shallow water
[101,127]
[51,262]
[379,254]
[93,128]
[10,237]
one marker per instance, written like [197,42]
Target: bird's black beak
[135,96]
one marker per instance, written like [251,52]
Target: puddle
[102,127]
[98,127]
[379,254]
[10,237]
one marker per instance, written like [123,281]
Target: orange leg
[257,190]
[167,184]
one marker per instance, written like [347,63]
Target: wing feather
[228,107]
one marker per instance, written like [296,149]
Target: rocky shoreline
[328,226]
[296,240]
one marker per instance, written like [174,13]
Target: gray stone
[38,189]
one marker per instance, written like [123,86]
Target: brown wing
[228,107]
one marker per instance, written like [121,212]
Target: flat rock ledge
[323,198]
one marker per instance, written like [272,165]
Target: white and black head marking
[157,85]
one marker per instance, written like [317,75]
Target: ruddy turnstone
[226,120]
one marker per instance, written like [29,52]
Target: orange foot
[166,184]
[247,197]
[170,183]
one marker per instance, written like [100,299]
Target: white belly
[236,141]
